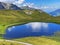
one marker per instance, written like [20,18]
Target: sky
[45,5]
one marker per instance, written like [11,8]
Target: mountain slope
[9,6]
[55,13]
[1,6]
[27,8]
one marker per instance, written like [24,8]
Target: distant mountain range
[55,13]
[9,6]
[1,6]
[14,7]
[27,7]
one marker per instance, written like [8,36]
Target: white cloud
[36,26]
[12,1]
[19,2]
[7,1]
[29,4]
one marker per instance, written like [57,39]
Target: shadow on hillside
[1,36]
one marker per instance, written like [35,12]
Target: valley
[18,17]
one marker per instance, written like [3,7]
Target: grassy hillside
[3,42]
[39,41]
[14,17]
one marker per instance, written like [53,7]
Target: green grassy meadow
[39,41]
[3,42]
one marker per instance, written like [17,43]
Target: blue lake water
[32,29]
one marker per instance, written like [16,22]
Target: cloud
[36,26]
[13,1]
[32,5]
[19,2]
[29,4]
[7,1]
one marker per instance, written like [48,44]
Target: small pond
[32,29]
